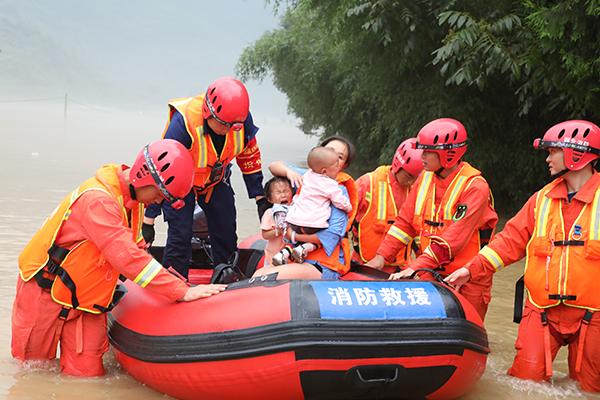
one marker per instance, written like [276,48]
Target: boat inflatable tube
[266,339]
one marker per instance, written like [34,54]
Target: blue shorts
[326,273]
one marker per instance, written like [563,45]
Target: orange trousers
[479,294]
[564,329]
[37,330]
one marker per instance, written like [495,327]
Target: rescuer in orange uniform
[558,230]
[450,210]
[70,269]
[381,194]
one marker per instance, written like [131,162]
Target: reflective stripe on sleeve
[148,273]
[399,234]
[492,257]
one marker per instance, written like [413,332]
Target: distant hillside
[33,64]
[134,53]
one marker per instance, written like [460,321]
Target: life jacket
[380,215]
[79,277]
[561,267]
[431,221]
[210,166]
[333,261]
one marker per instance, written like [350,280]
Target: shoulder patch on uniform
[461,211]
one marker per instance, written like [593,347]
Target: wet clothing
[448,215]
[560,239]
[535,353]
[217,200]
[99,218]
[380,199]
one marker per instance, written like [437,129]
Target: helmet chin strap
[560,173]
[132,192]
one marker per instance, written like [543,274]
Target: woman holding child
[331,257]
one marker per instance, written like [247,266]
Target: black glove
[148,233]
[262,205]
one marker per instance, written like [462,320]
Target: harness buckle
[64,313]
[544,317]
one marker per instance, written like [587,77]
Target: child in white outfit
[278,191]
[311,208]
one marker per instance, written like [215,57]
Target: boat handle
[379,380]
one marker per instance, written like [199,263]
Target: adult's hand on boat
[376,262]
[404,274]
[458,277]
[201,291]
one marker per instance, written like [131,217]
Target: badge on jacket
[461,211]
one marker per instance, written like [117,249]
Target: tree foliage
[378,70]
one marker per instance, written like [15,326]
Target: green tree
[377,71]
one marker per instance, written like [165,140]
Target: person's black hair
[347,142]
[276,179]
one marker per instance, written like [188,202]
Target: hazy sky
[137,51]
[120,61]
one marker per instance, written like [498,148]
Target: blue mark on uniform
[576,231]
[378,300]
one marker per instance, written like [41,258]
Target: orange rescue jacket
[380,215]
[211,167]
[333,261]
[432,223]
[561,267]
[83,279]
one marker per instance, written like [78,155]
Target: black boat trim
[309,339]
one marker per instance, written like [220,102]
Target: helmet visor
[584,147]
[441,146]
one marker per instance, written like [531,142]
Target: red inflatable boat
[263,339]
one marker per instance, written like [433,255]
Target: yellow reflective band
[423,189]
[397,233]
[595,223]
[382,205]
[542,216]
[148,273]
[138,228]
[368,197]
[239,141]
[203,147]
[456,190]
[492,257]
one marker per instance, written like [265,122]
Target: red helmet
[579,140]
[227,101]
[167,165]
[445,136]
[408,157]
